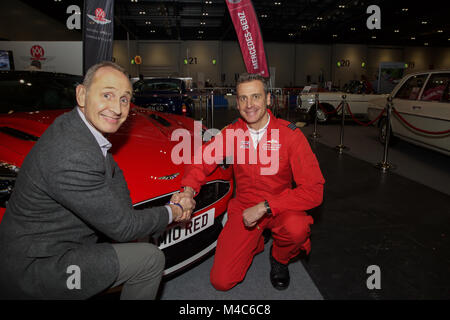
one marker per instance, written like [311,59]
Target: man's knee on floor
[222,284]
[220,281]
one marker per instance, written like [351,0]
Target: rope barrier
[418,129]
[365,124]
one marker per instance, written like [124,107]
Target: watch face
[266,204]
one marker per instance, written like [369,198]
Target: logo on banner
[100,16]
[37,52]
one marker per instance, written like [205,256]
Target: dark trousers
[141,269]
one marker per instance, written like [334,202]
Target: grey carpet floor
[195,285]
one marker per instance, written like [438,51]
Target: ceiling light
[405,9]
[202,23]
[148,22]
[291,34]
[319,18]
[413,38]
[303,27]
[440,31]
[374,37]
[334,35]
[396,31]
[424,22]
[341,6]
[205,13]
[277,3]
[141,12]
[264,16]
[133,0]
[352,29]
[200,31]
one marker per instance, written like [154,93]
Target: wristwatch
[266,205]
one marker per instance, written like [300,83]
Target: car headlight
[8,174]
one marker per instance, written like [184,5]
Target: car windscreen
[149,86]
[34,91]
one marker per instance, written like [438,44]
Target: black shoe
[279,274]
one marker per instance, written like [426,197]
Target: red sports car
[142,148]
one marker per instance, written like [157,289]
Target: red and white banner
[247,29]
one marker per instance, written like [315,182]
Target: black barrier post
[341,146]
[315,135]
[207,109]
[288,106]
[212,108]
[384,165]
[201,107]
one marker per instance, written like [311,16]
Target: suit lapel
[109,163]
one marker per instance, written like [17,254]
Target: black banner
[98,32]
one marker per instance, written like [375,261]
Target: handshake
[182,205]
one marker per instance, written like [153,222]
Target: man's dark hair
[247,77]
[89,76]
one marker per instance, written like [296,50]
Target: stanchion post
[384,165]
[288,106]
[201,107]
[212,108]
[341,146]
[315,135]
[207,103]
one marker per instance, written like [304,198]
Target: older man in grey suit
[70,190]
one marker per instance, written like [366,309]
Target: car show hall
[254,151]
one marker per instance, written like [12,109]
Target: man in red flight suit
[264,198]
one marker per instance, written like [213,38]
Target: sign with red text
[249,35]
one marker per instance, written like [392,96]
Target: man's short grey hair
[89,76]
[247,77]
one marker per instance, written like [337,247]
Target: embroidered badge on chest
[272,145]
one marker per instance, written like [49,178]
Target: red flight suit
[289,223]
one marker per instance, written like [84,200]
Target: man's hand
[186,200]
[253,214]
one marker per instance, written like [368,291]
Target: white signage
[52,56]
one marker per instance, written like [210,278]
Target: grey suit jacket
[65,195]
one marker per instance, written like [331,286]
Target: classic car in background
[423,100]
[168,95]
[142,148]
[357,94]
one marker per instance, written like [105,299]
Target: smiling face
[252,103]
[106,102]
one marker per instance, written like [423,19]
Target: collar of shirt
[257,134]
[104,144]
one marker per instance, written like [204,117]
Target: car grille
[209,194]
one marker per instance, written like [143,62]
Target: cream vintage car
[356,94]
[421,114]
